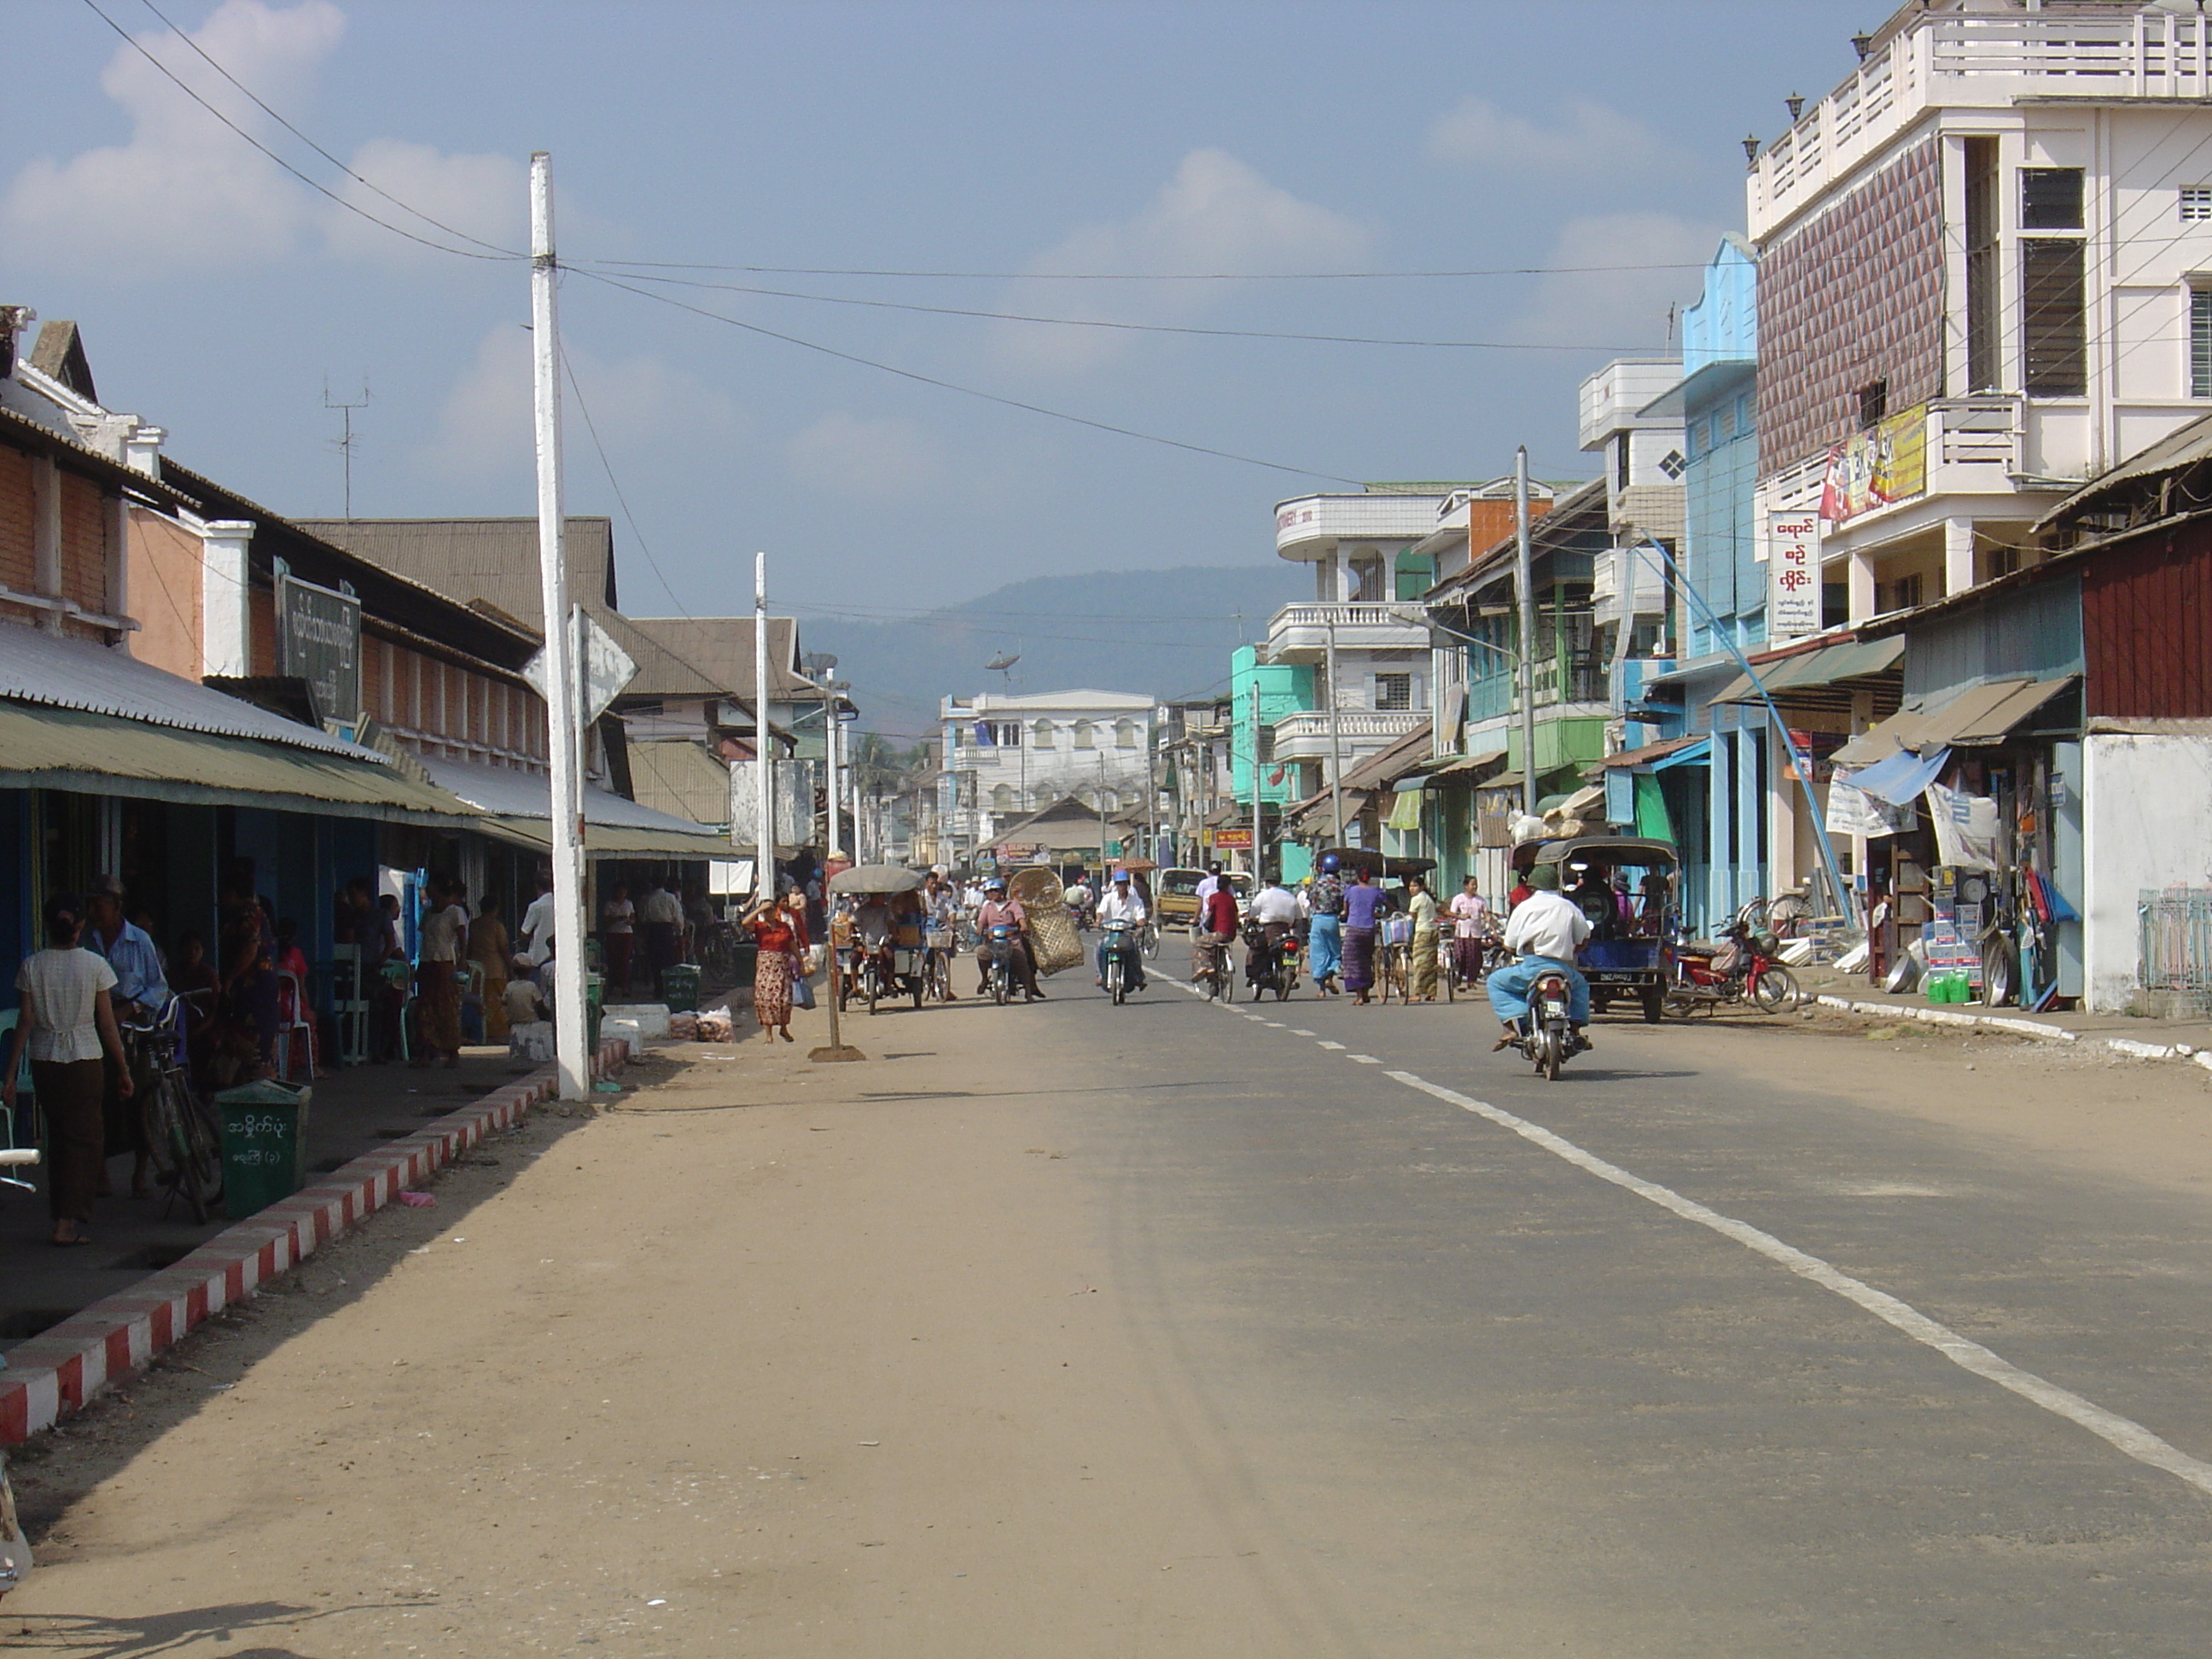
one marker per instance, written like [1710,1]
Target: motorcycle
[1121,944]
[1272,968]
[1547,1035]
[1742,970]
[997,943]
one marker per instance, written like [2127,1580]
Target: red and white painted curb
[55,1372]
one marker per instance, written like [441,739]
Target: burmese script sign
[1793,575]
[319,640]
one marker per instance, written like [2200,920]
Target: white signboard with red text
[1793,574]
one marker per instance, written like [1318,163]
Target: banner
[1793,575]
[1854,812]
[1887,462]
[1966,828]
[794,785]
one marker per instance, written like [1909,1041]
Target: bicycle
[181,1136]
[937,964]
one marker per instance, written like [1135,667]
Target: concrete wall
[2146,801]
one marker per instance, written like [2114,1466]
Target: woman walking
[1422,904]
[437,976]
[778,928]
[1364,903]
[68,1023]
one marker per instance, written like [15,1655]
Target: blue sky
[1023,142]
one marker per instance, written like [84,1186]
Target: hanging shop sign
[1233,841]
[319,640]
[1885,463]
[1793,575]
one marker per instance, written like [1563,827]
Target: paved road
[1163,1330]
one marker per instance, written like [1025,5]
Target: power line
[504,252]
[622,501]
[965,390]
[1139,328]
[131,41]
[641,265]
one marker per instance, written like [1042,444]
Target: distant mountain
[1166,632]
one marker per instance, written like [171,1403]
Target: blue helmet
[1328,864]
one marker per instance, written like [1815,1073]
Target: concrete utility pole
[562,730]
[1335,743]
[763,743]
[1524,586]
[836,839]
[1256,783]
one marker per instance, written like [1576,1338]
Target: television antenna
[344,445]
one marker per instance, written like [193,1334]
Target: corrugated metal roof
[507,794]
[602,841]
[681,779]
[92,753]
[721,648]
[2183,446]
[38,667]
[1981,715]
[1824,666]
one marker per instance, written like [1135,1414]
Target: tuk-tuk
[1626,885]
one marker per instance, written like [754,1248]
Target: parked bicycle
[181,1135]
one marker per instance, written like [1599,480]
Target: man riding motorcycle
[1275,915]
[997,910]
[1544,933]
[1122,903]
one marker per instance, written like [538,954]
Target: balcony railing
[1973,445]
[1352,725]
[1978,59]
[1302,632]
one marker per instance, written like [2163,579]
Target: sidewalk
[360,1109]
[2145,1039]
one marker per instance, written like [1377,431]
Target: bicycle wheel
[204,1145]
[1151,942]
[157,1132]
[190,1157]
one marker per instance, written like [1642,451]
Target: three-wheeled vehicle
[894,968]
[1626,885]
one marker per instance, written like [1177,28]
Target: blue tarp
[1901,779]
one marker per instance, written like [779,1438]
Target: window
[1125,734]
[1086,737]
[1041,734]
[1394,690]
[1724,425]
[1982,265]
[2054,335]
[1620,463]
[1874,403]
[1903,594]
[2050,198]
[2195,204]
[2200,342]
[1002,799]
[1367,580]
[1416,575]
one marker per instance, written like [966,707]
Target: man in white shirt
[537,924]
[1274,912]
[1544,933]
[1123,902]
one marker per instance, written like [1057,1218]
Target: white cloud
[479,196]
[843,454]
[1216,214]
[1590,138]
[637,403]
[1615,306]
[185,187]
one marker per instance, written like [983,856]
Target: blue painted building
[1722,590]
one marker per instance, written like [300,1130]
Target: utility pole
[562,728]
[1524,584]
[1102,814]
[1255,784]
[1335,742]
[764,742]
[836,839]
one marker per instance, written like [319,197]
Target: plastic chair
[351,1010]
[12,1155]
[294,1014]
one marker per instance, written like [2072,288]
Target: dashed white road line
[1326,1043]
[1364,1060]
[1295,1032]
[2123,1434]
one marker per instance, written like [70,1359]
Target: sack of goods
[1054,941]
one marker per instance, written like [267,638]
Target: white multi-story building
[1007,755]
[1985,275]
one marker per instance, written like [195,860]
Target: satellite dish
[999,664]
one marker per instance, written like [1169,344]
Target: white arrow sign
[607,668]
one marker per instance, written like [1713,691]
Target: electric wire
[201,51]
[615,483]
[965,390]
[132,41]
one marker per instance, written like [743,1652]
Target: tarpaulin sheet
[1901,778]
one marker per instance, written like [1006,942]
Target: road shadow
[96,1636]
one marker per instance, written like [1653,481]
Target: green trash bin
[679,987]
[264,1144]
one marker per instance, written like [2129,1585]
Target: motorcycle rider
[1078,902]
[1122,903]
[1544,932]
[1273,913]
[1325,938]
[998,910]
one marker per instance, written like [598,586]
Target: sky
[1311,154]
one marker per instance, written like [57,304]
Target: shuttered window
[2200,342]
[2054,340]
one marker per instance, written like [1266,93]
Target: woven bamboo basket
[1053,939]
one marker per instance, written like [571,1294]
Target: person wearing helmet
[998,910]
[1122,903]
[1325,937]
[1544,933]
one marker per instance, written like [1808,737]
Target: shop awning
[1654,757]
[1466,766]
[1979,716]
[44,747]
[1825,666]
[608,841]
[519,803]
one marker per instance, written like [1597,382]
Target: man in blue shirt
[139,984]
[130,952]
